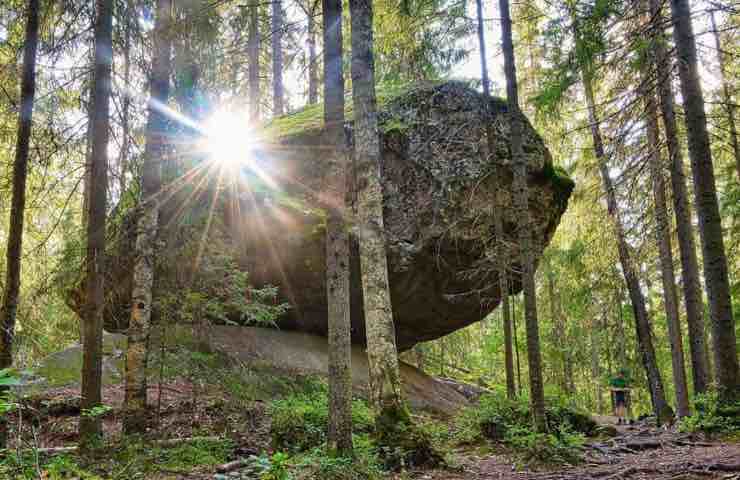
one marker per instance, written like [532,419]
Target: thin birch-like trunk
[137,351]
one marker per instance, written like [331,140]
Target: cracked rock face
[440,186]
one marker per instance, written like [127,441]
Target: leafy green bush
[300,421]
[711,416]
[365,465]
[562,446]
[498,418]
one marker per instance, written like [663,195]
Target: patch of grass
[500,419]
[29,466]
[712,417]
[316,463]
[300,420]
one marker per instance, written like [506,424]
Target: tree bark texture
[146,233]
[682,210]
[253,51]
[521,201]
[337,237]
[716,278]
[277,58]
[663,238]
[9,306]
[385,380]
[90,425]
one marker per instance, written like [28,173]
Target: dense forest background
[579,64]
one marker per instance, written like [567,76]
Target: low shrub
[365,465]
[500,419]
[711,416]
[300,420]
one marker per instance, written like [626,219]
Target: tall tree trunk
[521,200]
[90,426]
[146,233]
[685,233]
[253,48]
[9,306]
[277,58]
[727,96]
[337,237]
[707,207]
[386,396]
[516,347]
[313,59]
[126,107]
[663,238]
[662,410]
[500,250]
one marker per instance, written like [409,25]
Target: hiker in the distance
[619,387]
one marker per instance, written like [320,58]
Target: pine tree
[253,51]
[9,306]
[707,206]
[681,207]
[500,250]
[726,95]
[90,425]
[337,237]
[662,410]
[519,162]
[386,395]
[147,225]
[277,58]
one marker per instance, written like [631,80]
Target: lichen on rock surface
[439,187]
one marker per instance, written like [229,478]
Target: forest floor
[635,453]
[243,429]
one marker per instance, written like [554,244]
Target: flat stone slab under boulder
[306,354]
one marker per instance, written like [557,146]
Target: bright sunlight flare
[228,138]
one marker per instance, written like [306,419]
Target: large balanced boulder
[439,184]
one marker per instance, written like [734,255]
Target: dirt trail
[636,453]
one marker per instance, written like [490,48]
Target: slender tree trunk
[253,47]
[386,396]
[126,107]
[663,411]
[521,194]
[727,96]
[516,347]
[313,59]
[337,238]
[705,198]
[663,238]
[560,337]
[500,251]
[137,351]
[9,306]
[595,367]
[277,58]
[90,426]
[685,233]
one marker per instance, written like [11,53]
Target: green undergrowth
[508,422]
[300,420]
[129,458]
[712,417]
